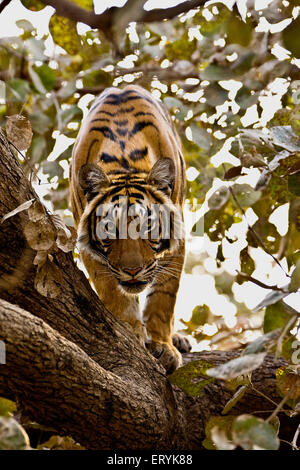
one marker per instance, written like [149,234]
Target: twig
[56,104]
[295,438]
[26,160]
[280,405]
[4,4]
[282,335]
[257,237]
[259,283]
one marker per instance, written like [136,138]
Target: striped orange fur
[128,153]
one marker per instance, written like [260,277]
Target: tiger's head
[130,221]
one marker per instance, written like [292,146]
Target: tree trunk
[75,367]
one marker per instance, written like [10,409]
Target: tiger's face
[130,222]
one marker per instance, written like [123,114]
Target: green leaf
[245,194]
[19,88]
[201,137]
[182,49]
[64,34]
[238,31]
[267,233]
[33,5]
[215,25]
[284,136]
[246,97]
[288,36]
[270,299]
[295,279]
[236,367]
[7,407]
[288,383]
[35,48]
[46,75]
[214,73]
[12,435]
[247,263]
[52,169]
[25,25]
[191,378]
[38,149]
[96,78]
[69,114]
[253,433]
[40,122]
[36,80]
[276,316]
[200,314]
[219,198]
[259,344]
[234,400]
[67,90]
[215,95]
[218,433]
[294,183]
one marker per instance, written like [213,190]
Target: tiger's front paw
[166,354]
[181,343]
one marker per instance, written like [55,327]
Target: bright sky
[197,288]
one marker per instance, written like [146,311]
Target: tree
[86,366]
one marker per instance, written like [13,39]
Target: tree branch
[73,389]
[4,4]
[104,21]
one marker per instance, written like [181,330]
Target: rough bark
[75,367]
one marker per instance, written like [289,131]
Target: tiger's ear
[92,179]
[162,175]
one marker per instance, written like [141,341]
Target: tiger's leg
[159,310]
[121,305]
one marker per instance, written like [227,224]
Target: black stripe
[129,172]
[114,190]
[90,149]
[138,154]
[101,119]
[106,112]
[118,98]
[142,113]
[122,145]
[124,110]
[121,123]
[136,186]
[116,197]
[122,132]
[125,163]
[139,126]
[136,195]
[106,131]
[106,158]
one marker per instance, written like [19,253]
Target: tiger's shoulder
[126,131]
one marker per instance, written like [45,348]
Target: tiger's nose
[132,271]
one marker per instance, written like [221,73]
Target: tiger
[127,159]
